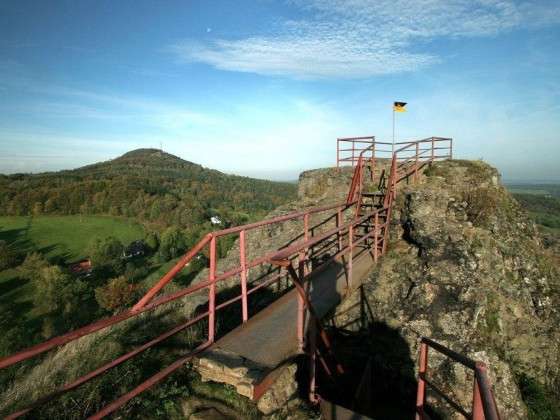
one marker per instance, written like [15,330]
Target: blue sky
[263,88]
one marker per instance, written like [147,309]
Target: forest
[149,185]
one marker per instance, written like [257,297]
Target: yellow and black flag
[399,106]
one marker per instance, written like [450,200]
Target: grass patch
[541,402]
[63,238]
[66,237]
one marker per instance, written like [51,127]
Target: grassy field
[552,190]
[65,236]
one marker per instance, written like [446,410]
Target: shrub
[116,294]
[541,402]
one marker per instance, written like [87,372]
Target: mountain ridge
[147,184]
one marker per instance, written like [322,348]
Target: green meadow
[67,237]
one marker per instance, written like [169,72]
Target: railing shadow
[379,379]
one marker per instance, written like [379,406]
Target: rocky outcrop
[466,268]
[228,368]
[283,390]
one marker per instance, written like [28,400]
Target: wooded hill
[147,184]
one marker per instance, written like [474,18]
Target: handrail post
[302,260]
[477,406]
[433,149]
[312,333]
[450,148]
[416,163]
[421,392]
[394,177]
[300,309]
[243,261]
[338,225]
[350,251]
[353,145]
[477,409]
[337,154]
[372,166]
[212,292]
[375,236]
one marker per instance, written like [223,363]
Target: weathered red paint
[243,263]
[422,368]
[483,404]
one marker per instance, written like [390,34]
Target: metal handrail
[148,304]
[483,405]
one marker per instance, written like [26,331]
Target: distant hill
[147,184]
[550,189]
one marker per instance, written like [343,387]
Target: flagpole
[393,145]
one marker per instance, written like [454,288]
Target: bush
[59,297]
[116,294]
[541,402]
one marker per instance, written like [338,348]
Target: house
[135,249]
[81,268]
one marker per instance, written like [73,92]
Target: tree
[116,294]
[8,258]
[107,254]
[152,241]
[59,297]
[32,266]
[50,288]
[172,244]
[37,209]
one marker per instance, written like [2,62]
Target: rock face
[225,367]
[466,268]
[283,390]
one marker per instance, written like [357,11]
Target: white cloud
[363,38]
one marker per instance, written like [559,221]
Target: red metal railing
[413,156]
[316,239]
[409,157]
[148,303]
[349,148]
[483,402]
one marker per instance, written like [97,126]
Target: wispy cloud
[363,38]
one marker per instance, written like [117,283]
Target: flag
[399,106]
